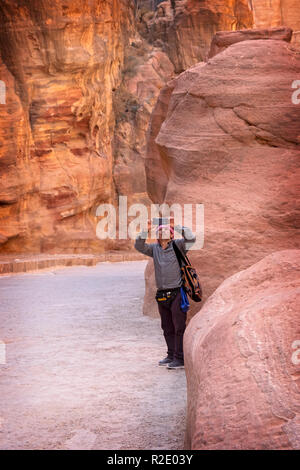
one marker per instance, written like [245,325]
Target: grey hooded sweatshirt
[166,266]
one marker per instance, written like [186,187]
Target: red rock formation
[226,134]
[61,61]
[243,376]
[185,32]
[224,39]
[61,154]
[269,13]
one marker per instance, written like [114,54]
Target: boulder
[242,362]
[224,39]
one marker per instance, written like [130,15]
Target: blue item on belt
[184,305]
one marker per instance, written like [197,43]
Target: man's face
[164,234]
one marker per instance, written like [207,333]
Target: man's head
[164,232]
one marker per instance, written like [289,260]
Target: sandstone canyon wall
[81,85]
[61,61]
[243,371]
[185,28]
[226,134]
[271,13]
[82,80]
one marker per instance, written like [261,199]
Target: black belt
[171,289]
[166,295]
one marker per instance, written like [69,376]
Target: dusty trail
[81,363]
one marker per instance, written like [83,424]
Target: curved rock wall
[242,366]
[226,134]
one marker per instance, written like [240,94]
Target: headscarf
[165,226]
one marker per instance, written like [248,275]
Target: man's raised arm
[141,245]
[188,239]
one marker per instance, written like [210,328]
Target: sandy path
[81,363]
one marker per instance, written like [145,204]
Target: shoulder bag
[189,276]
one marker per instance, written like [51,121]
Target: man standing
[168,283]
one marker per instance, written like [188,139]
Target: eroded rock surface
[185,28]
[243,375]
[61,62]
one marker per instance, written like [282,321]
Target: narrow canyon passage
[81,363]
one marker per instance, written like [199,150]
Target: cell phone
[160,221]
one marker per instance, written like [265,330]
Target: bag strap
[182,259]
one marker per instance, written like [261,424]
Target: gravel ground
[81,363]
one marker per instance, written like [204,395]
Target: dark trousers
[173,321]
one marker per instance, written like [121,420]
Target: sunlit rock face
[242,360]
[61,61]
[226,134]
[184,28]
[270,13]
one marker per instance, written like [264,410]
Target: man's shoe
[165,361]
[176,364]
